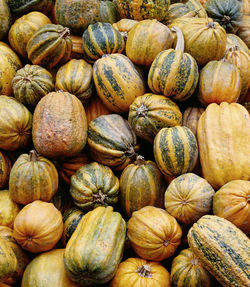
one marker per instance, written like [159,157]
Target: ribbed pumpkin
[49,46]
[187,270]
[153,233]
[32,177]
[31,83]
[15,124]
[150,113]
[94,185]
[38,226]
[234,40]
[23,28]
[24,6]
[125,25]
[219,81]
[175,150]
[188,197]
[108,12]
[117,82]
[191,117]
[59,125]
[224,160]
[5,167]
[112,141]
[95,249]
[9,64]
[244,29]
[176,10]
[76,52]
[147,39]
[232,202]
[5,19]
[225,256]
[195,5]
[174,73]
[137,272]
[75,77]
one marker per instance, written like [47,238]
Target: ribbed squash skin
[223,161]
[232,202]
[94,185]
[75,77]
[31,83]
[150,113]
[175,150]
[15,124]
[25,6]
[59,111]
[234,40]
[5,167]
[95,108]
[191,117]
[49,46]
[23,28]
[176,10]
[5,19]
[214,87]
[135,272]
[222,248]
[95,249]
[244,29]
[124,25]
[195,5]
[186,270]
[108,12]
[76,52]
[112,141]
[117,82]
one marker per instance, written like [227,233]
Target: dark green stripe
[110,34]
[192,147]
[178,150]
[165,69]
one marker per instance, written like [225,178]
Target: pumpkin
[176,10]
[112,141]
[188,197]
[23,28]
[187,270]
[234,40]
[134,272]
[225,256]
[125,25]
[49,46]
[243,31]
[5,19]
[245,7]
[59,111]
[62,199]
[31,83]
[195,5]
[76,52]
[175,150]
[231,202]
[38,226]
[108,12]
[150,113]
[174,73]
[191,117]
[75,77]
[95,108]
[5,167]
[95,249]
[223,161]
[25,6]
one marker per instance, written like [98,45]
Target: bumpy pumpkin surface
[5,167]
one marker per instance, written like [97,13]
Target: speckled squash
[244,30]
[223,161]
[95,249]
[49,46]
[232,202]
[95,108]
[5,18]
[15,124]
[137,272]
[75,77]
[191,117]
[59,111]
[5,167]
[108,12]
[234,40]
[112,141]
[31,83]
[150,113]
[225,256]
[76,52]
[23,28]
[25,6]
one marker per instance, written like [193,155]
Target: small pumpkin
[191,117]
[5,18]
[5,167]
[125,25]
[244,28]
[25,6]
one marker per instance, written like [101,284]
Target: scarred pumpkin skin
[5,19]
[5,167]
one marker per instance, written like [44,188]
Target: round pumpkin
[125,25]
[25,6]
[234,40]
[244,30]
[191,117]
[5,167]
[5,18]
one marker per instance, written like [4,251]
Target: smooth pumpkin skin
[137,272]
[232,202]
[223,161]
[187,270]
[191,117]
[5,167]
[25,6]
[38,226]
[234,40]
[153,233]
[5,18]
[244,28]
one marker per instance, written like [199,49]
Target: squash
[187,270]
[225,256]
[108,12]
[95,108]
[175,150]
[232,202]
[23,28]
[176,10]
[95,249]
[49,46]
[174,73]
[137,272]
[76,52]
[223,161]
[5,167]
[150,113]
[31,83]
[25,6]
[75,77]
[5,18]
[244,28]
[38,226]
[62,199]
[234,40]
[117,82]
[59,111]
[188,197]
[124,26]
[195,5]
[112,141]
[191,117]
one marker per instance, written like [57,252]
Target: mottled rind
[5,18]
[25,6]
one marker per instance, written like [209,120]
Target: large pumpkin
[5,18]
[5,167]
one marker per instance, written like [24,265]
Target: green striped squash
[175,150]
[5,19]
[222,248]
[25,6]
[108,12]
[195,5]
[176,10]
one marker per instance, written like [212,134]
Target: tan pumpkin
[5,167]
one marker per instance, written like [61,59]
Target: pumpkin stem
[211,25]
[124,35]
[165,243]
[64,32]
[142,111]
[248,198]
[33,156]
[226,19]
[99,197]
[180,39]
[194,261]
[144,271]
[140,160]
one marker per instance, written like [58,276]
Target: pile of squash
[124,143]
